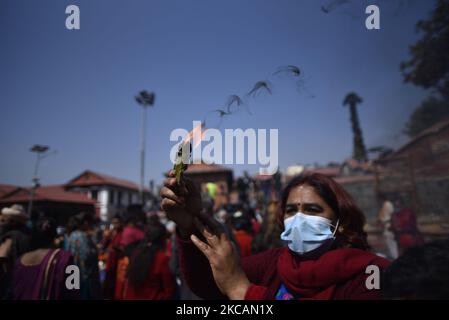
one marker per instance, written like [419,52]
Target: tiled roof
[55,193]
[205,168]
[91,178]
[327,171]
[5,189]
[437,127]
[357,178]
[263,177]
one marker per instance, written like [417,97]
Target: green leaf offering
[181,161]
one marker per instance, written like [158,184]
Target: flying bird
[333,4]
[233,99]
[238,102]
[293,70]
[260,85]
[221,112]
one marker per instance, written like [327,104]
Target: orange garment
[122,265]
[129,235]
[159,284]
[244,240]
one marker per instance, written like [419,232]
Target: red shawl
[318,279]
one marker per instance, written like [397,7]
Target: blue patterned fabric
[283,293]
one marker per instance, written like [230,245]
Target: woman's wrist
[238,291]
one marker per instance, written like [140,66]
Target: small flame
[198,130]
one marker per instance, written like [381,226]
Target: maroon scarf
[318,279]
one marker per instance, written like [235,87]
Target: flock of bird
[234,103]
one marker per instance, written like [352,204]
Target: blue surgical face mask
[304,233]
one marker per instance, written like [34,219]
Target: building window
[119,198]
[94,194]
[111,196]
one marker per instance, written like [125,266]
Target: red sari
[159,284]
[113,255]
[244,240]
[405,228]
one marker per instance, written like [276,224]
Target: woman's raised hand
[181,202]
[223,258]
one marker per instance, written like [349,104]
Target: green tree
[359,150]
[430,111]
[429,68]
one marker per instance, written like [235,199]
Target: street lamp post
[40,151]
[145,99]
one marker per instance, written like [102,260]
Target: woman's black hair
[118,217]
[242,223]
[133,214]
[143,255]
[351,219]
[85,217]
[77,221]
[44,233]
[72,224]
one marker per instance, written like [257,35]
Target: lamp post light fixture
[40,151]
[145,99]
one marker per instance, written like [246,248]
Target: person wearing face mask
[326,254]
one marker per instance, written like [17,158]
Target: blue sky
[73,90]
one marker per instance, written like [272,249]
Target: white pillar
[103,200]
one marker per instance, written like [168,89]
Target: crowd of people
[308,244]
